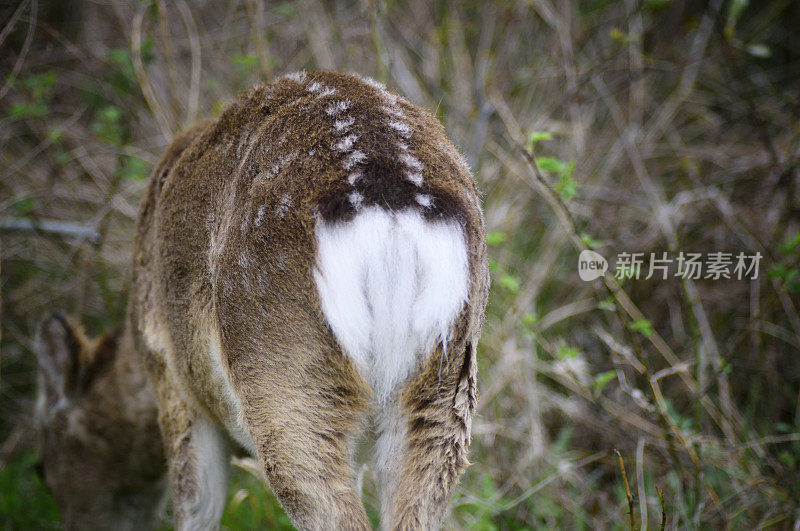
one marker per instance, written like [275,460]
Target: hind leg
[422,448]
[303,419]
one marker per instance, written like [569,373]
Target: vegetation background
[624,126]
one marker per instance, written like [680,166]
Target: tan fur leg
[423,445]
[304,436]
[199,457]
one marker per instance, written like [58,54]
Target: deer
[307,264]
[97,418]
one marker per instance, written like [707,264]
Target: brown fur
[229,319]
[101,452]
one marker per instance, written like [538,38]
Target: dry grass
[682,121]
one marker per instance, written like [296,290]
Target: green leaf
[528,323]
[110,114]
[54,134]
[567,187]
[601,380]
[107,126]
[24,500]
[537,136]
[510,282]
[28,110]
[122,76]
[565,352]
[778,271]
[788,459]
[792,243]
[606,305]
[24,207]
[734,11]
[552,165]
[134,168]
[590,242]
[643,326]
[40,85]
[219,105]
[245,61]
[495,238]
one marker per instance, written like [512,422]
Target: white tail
[391,286]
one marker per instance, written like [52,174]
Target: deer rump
[391,284]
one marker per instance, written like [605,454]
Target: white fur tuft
[391,284]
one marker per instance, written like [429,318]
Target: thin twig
[663,508]
[197,63]
[376,29]
[141,75]
[25,47]
[628,495]
[70,229]
[12,21]
[254,16]
[640,482]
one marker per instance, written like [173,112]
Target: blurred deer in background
[102,457]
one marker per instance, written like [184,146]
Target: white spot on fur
[411,161]
[391,284]
[424,200]
[353,177]
[401,127]
[373,82]
[381,88]
[329,91]
[312,152]
[282,161]
[315,86]
[355,157]
[243,260]
[355,198]
[397,112]
[414,177]
[343,125]
[283,206]
[259,216]
[297,76]
[338,107]
[346,143]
